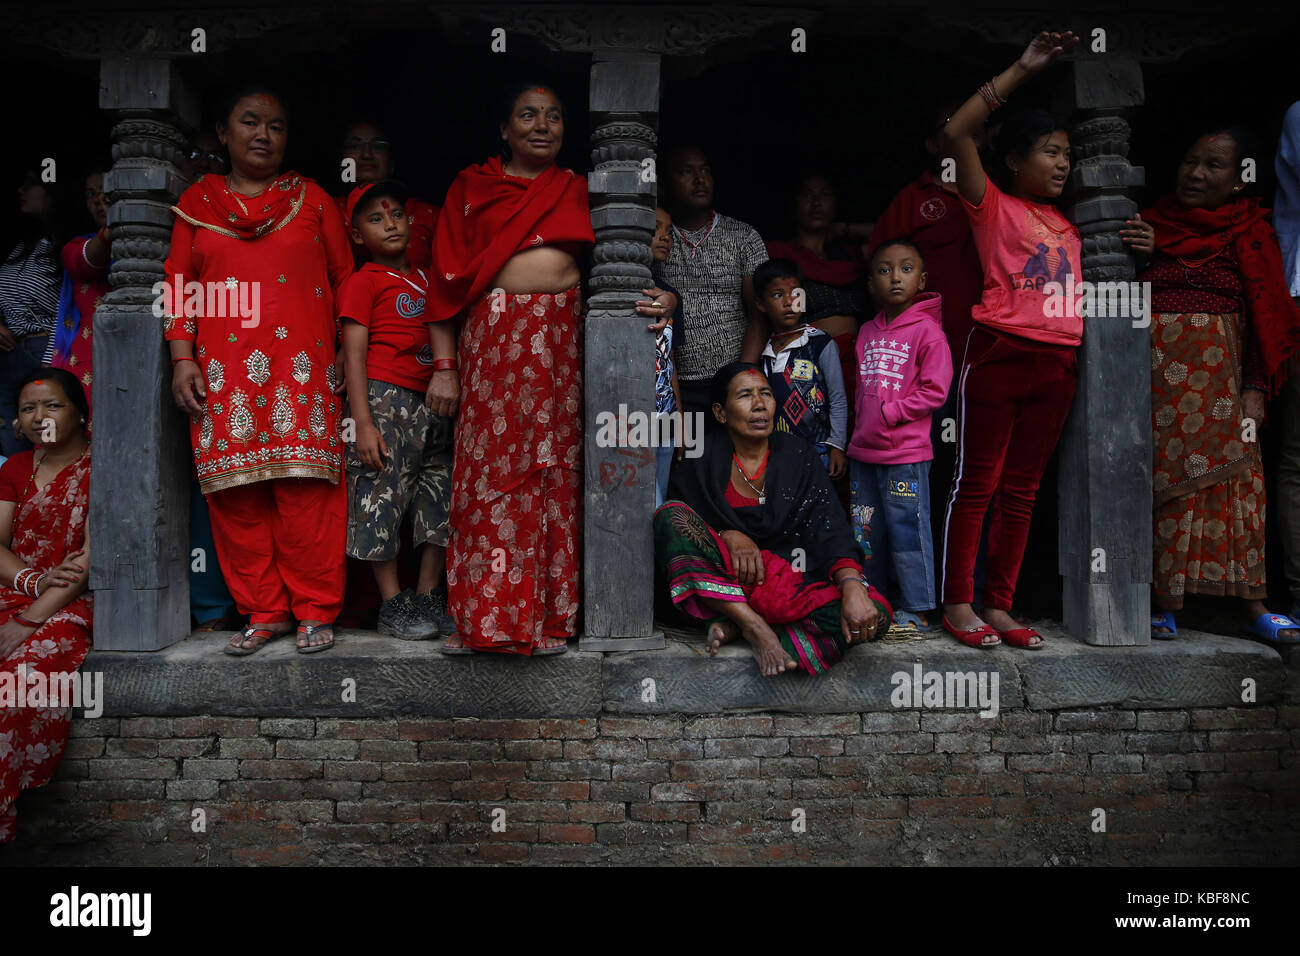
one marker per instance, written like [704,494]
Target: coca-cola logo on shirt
[934,208]
[408,307]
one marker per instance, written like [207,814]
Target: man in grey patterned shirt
[712,261]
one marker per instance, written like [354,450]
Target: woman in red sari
[506,249]
[261,388]
[45,611]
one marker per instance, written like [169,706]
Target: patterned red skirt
[516,515]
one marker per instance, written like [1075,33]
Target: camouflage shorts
[416,478]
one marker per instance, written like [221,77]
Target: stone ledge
[392,677]
[399,677]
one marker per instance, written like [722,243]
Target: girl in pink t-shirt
[1017,380]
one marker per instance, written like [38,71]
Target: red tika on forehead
[385,204]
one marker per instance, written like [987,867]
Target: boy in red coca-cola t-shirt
[402,389]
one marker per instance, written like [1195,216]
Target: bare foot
[552,642]
[772,658]
[721,632]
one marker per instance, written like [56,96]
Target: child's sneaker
[433,606]
[402,617]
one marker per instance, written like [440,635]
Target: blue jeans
[663,465]
[14,364]
[891,520]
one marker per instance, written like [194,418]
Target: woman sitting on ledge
[752,539]
[44,608]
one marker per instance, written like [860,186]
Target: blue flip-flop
[910,620]
[1163,619]
[1268,626]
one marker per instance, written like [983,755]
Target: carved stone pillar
[140,471]
[618,550]
[1105,484]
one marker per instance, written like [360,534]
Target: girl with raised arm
[1020,369]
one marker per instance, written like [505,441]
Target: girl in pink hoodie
[904,370]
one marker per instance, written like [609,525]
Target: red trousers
[1013,398]
[280,542]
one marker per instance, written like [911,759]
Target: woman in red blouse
[507,251]
[261,387]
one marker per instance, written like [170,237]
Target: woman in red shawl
[506,252]
[45,610]
[1222,331]
[261,387]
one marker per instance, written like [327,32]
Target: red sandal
[973,636]
[1022,637]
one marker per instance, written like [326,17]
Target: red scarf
[836,272]
[489,217]
[1193,234]
[210,204]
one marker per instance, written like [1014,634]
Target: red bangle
[22,620]
[444,365]
[185,358]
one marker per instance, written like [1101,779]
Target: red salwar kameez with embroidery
[512,569]
[267,449]
[48,524]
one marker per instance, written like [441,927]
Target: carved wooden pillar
[139,489]
[618,566]
[1105,485]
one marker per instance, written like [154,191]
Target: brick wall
[1178,787]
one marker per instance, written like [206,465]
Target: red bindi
[384,203]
